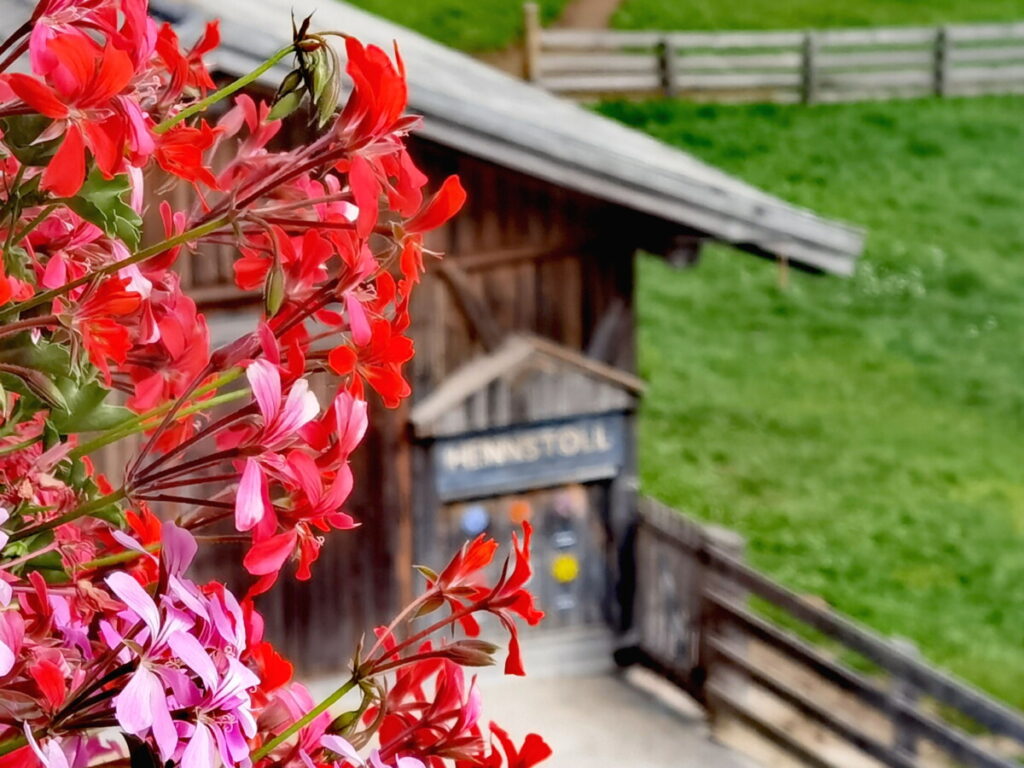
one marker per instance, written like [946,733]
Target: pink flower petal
[164,732]
[136,598]
[357,321]
[201,751]
[178,548]
[134,705]
[265,381]
[191,651]
[51,756]
[342,747]
[252,498]
[7,658]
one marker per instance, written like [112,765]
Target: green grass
[866,435]
[802,14]
[471,25]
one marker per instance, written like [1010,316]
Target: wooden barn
[524,391]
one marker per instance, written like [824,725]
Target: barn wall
[540,259]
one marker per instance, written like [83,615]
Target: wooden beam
[473,307]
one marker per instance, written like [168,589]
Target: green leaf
[86,410]
[104,203]
[28,381]
[21,134]
[45,357]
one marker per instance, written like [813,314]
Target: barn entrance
[533,432]
[572,550]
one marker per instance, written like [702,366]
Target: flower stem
[146,253]
[121,557]
[39,219]
[224,92]
[146,421]
[225,378]
[19,446]
[86,509]
[305,720]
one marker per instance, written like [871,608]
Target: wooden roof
[479,110]
[527,379]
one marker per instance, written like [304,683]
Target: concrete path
[607,721]
[592,714]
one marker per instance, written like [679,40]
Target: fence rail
[788,66]
[692,624]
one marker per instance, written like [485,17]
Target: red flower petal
[37,96]
[66,171]
[445,204]
[269,555]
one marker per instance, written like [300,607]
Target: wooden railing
[692,624]
[784,66]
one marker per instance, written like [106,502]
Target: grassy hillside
[472,25]
[799,14]
[867,435]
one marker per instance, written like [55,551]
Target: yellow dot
[565,568]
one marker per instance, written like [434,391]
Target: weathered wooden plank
[979,89]
[831,96]
[602,83]
[738,61]
[479,318]
[932,682]
[812,710]
[740,39]
[597,39]
[737,80]
[876,80]
[948,739]
[1000,54]
[560,63]
[720,701]
[877,36]
[883,58]
[986,32]
[961,75]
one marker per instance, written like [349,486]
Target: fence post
[727,680]
[941,62]
[531,42]
[667,66]
[907,694]
[809,68]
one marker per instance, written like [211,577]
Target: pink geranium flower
[281,424]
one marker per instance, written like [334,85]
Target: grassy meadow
[866,435]
[800,14]
[470,25]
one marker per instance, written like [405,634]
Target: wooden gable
[526,380]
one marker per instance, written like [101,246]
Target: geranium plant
[110,654]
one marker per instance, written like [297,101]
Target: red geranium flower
[82,96]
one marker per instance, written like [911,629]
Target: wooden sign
[524,457]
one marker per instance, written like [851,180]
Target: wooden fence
[693,625]
[812,66]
